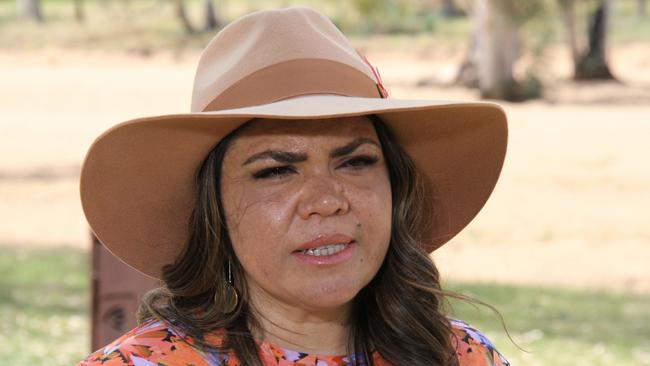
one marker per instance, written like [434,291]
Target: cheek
[373,200]
[377,206]
[257,225]
[374,210]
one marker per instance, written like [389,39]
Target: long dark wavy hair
[401,313]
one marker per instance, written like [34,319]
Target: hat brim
[137,180]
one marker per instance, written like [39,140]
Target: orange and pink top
[155,344]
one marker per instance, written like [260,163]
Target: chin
[331,294]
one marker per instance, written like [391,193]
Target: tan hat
[137,181]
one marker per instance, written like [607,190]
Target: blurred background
[562,249]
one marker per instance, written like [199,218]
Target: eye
[360,161]
[273,172]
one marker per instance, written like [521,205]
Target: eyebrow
[293,157]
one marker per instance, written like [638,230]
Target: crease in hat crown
[270,55]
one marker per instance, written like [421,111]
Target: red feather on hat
[380,85]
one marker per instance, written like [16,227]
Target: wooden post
[116,291]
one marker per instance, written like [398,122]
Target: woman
[291,214]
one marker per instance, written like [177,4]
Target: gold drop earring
[231,293]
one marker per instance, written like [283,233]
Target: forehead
[260,129]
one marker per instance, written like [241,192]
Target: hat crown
[272,55]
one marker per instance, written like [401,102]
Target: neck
[296,327]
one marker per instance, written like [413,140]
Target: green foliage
[626,25]
[560,326]
[520,12]
[393,16]
[43,306]
[148,26]
[531,87]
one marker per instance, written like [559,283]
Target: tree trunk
[568,11]
[182,16]
[30,9]
[211,21]
[79,13]
[467,75]
[592,64]
[497,48]
[641,8]
[450,10]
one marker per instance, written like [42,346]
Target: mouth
[325,245]
[326,250]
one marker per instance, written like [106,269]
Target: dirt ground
[570,209]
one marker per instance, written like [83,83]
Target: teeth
[325,250]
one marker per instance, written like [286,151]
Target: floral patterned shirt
[155,344]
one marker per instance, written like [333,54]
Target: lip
[327,260]
[325,239]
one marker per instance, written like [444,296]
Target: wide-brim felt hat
[137,181]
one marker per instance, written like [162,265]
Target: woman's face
[308,208]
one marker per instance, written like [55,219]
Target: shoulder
[150,344]
[473,348]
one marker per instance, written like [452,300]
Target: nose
[322,196]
